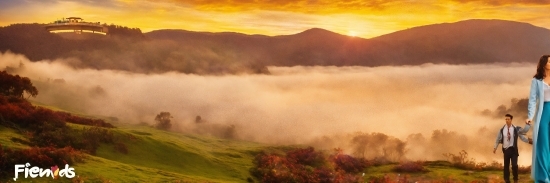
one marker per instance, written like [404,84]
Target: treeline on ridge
[480,42]
[124,49]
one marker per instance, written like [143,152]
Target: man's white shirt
[505,142]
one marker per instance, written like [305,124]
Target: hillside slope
[464,42]
[159,156]
[189,155]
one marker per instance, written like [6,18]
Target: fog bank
[302,104]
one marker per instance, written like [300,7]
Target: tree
[163,120]
[16,86]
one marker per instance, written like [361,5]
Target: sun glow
[352,33]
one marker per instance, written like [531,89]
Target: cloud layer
[328,6]
[300,104]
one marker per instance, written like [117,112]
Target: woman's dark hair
[540,67]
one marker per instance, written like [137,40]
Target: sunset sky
[275,17]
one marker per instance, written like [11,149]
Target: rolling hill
[160,156]
[464,42]
[467,42]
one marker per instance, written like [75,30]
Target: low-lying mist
[432,109]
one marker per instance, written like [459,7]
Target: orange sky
[275,17]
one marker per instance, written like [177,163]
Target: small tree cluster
[117,30]
[163,121]
[16,86]
[376,145]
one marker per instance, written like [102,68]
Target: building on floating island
[76,25]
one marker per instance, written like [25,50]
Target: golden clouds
[506,2]
[368,18]
[351,6]
[302,6]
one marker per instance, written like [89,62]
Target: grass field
[156,155]
[442,171]
[159,156]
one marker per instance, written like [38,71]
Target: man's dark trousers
[510,154]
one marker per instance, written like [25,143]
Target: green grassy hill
[160,156]
[175,156]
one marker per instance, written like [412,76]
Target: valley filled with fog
[432,109]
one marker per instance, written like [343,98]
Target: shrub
[350,164]
[307,156]
[21,112]
[86,139]
[121,147]
[47,128]
[306,165]
[44,157]
[84,121]
[461,161]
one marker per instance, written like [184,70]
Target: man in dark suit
[508,137]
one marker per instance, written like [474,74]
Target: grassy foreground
[159,156]
[440,172]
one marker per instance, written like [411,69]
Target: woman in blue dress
[539,104]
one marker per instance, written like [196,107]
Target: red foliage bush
[21,112]
[303,165]
[270,168]
[306,156]
[15,111]
[44,157]
[47,128]
[350,164]
[84,121]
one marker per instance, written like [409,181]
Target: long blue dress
[542,152]
[539,111]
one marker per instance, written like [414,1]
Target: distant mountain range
[464,42]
